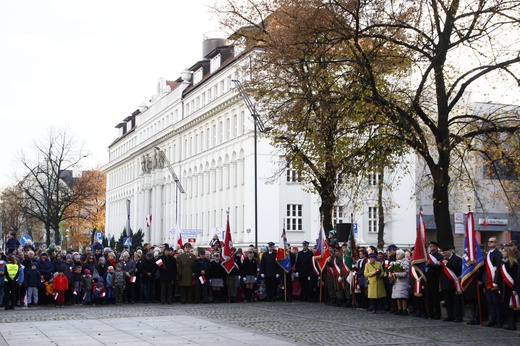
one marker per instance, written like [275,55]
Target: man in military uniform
[185,263]
[303,270]
[270,271]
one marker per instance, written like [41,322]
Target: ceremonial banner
[323,249]
[282,254]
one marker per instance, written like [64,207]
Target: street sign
[127,241]
[24,239]
[99,236]
[355,229]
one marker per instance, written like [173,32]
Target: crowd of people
[376,281]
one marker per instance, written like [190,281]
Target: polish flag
[178,235]
[148,220]
[132,279]
[202,279]
[159,262]
[55,295]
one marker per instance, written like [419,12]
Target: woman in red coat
[60,285]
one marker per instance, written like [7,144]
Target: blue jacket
[2,269]
[32,278]
[45,268]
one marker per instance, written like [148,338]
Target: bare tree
[47,186]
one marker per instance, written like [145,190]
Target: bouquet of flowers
[395,267]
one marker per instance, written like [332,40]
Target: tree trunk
[48,234]
[328,201]
[441,205]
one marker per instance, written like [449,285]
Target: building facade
[206,133]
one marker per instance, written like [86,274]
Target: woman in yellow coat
[376,286]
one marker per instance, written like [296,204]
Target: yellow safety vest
[12,271]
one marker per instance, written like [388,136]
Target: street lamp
[260,126]
[175,178]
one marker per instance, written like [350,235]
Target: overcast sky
[86,65]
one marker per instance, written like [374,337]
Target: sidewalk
[159,330]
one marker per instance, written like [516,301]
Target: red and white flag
[470,237]
[323,248]
[178,235]
[148,220]
[422,227]
[202,279]
[228,260]
[159,262]
[75,292]
[228,243]
[132,279]
[55,295]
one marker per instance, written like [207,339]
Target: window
[215,63]
[373,179]
[235,125]
[292,175]
[373,219]
[197,76]
[294,217]
[228,129]
[220,132]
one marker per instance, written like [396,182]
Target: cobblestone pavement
[252,324]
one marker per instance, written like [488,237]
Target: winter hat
[87,271]
[68,256]
[110,268]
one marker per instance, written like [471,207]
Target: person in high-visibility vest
[11,282]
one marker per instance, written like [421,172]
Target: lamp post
[175,178]
[258,126]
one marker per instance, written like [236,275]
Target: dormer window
[215,63]
[197,76]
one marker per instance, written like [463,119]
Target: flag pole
[319,281]
[285,286]
[479,303]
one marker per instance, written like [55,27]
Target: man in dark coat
[167,274]
[148,269]
[303,270]
[270,271]
[492,260]
[433,296]
[201,271]
[451,270]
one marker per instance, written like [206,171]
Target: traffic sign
[24,239]
[127,241]
[99,236]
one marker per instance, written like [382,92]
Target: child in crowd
[109,285]
[78,285]
[32,283]
[60,285]
[118,283]
[98,293]
[87,287]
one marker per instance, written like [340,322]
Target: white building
[205,130]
